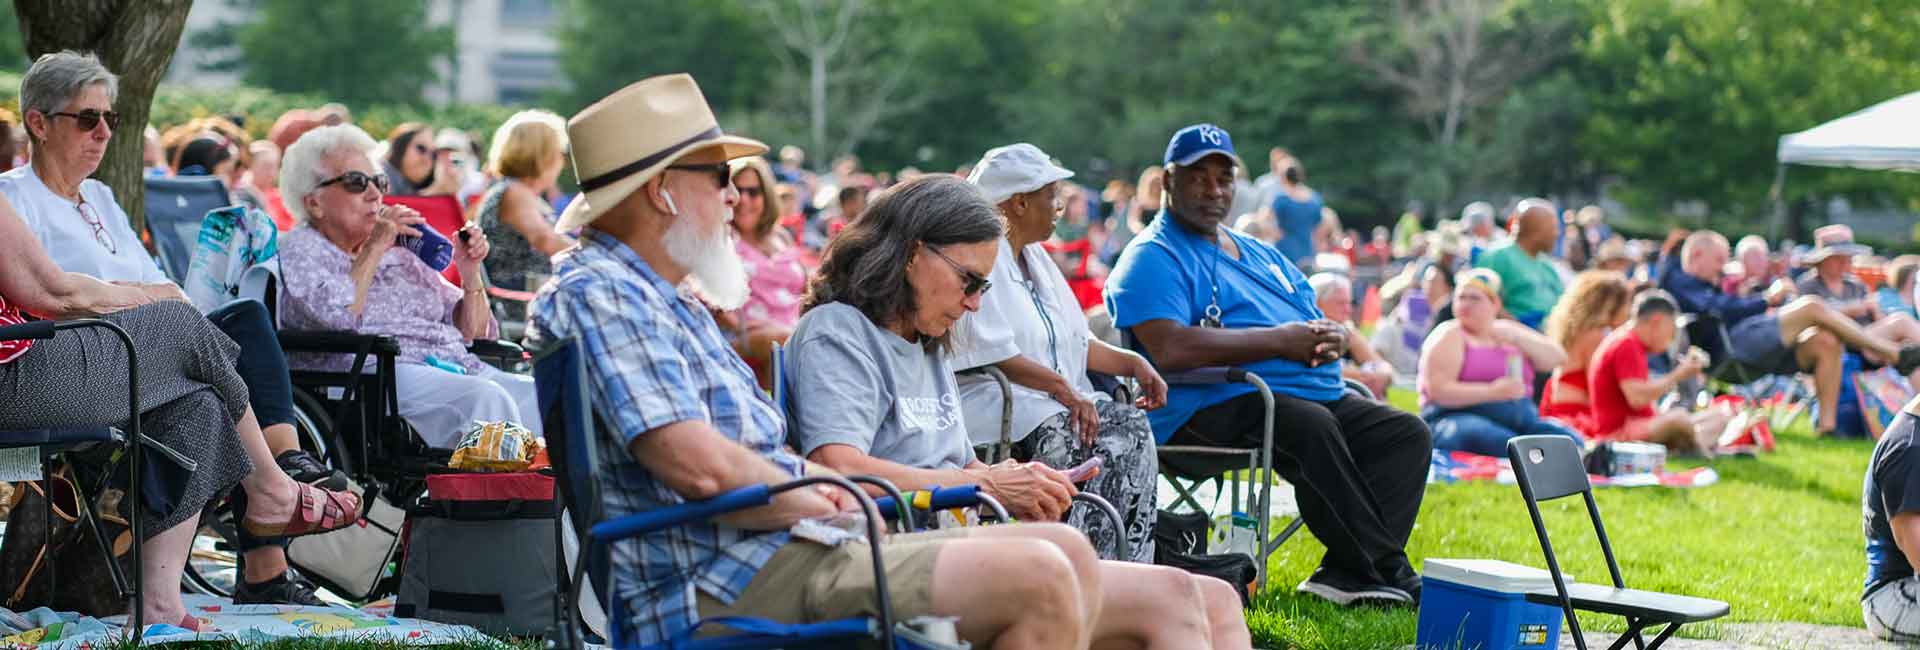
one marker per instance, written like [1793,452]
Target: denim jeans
[1485,428]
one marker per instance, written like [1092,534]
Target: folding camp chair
[175,208]
[56,441]
[567,405]
[1548,468]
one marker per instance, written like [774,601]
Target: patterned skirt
[190,396]
[1128,473]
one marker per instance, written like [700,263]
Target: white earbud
[669,199]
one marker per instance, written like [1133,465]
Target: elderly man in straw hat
[1774,333]
[687,421]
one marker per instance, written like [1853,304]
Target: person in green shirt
[1531,283]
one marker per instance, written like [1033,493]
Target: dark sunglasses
[357,182]
[721,176]
[754,192]
[90,119]
[976,284]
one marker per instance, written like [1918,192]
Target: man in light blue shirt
[1192,294]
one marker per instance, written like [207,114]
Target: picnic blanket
[45,629]
[1460,466]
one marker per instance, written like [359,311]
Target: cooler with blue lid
[1482,605]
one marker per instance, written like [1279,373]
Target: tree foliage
[1689,99]
[1445,101]
[134,39]
[354,51]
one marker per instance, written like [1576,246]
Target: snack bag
[495,447]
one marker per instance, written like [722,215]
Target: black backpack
[1180,541]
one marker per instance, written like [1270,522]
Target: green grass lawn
[1778,538]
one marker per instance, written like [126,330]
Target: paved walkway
[1760,636]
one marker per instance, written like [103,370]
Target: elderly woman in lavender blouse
[343,271]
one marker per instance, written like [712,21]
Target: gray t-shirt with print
[856,384]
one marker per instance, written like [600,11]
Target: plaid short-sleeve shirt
[655,357]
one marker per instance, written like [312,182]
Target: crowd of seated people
[890,298]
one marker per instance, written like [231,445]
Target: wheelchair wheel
[213,566]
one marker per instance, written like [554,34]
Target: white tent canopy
[1882,136]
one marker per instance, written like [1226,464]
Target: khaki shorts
[807,582]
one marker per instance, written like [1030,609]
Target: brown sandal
[318,511]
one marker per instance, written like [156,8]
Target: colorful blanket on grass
[1460,466]
[45,629]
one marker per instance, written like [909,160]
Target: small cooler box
[1482,605]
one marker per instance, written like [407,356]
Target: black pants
[1358,467]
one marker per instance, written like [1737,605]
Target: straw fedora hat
[630,136]
[1835,239]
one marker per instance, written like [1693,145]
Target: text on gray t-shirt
[857,384]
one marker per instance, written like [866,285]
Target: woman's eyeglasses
[90,119]
[750,192]
[721,176]
[357,182]
[976,284]
[99,227]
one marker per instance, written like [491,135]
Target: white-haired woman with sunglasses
[344,269]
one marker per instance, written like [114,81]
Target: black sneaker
[1346,591]
[1411,585]
[286,589]
[302,467]
[1908,361]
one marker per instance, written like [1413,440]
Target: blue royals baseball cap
[1191,144]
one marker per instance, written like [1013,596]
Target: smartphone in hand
[1084,470]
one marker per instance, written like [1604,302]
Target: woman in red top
[191,400]
[1595,305]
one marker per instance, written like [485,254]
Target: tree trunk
[133,38]
[817,92]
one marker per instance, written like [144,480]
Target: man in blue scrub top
[1194,294]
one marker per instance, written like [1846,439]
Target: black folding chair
[1548,468]
[55,441]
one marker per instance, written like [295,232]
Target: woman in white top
[1034,332]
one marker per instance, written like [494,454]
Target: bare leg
[280,438]
[265,563]
[1707,427]
[1151,607]
[1225,619]
[1009,592]
[1820,351]
[165,557]
[271,494]
[1087,567]
[1808,313]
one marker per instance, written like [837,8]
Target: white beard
[714,271]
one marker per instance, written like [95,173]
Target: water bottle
[432,247]
[1514,369]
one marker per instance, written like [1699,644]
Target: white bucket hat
[1014,169]
[621,141]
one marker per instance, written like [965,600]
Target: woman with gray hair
[1032,329]
[874,394]
[67,99]
[346,267]
[869,352]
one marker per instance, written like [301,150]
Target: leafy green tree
[354,51]
[13,52]
[607,44]
[1690,99]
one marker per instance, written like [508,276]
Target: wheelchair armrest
[1206,376]
[497,349]
[337,342]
